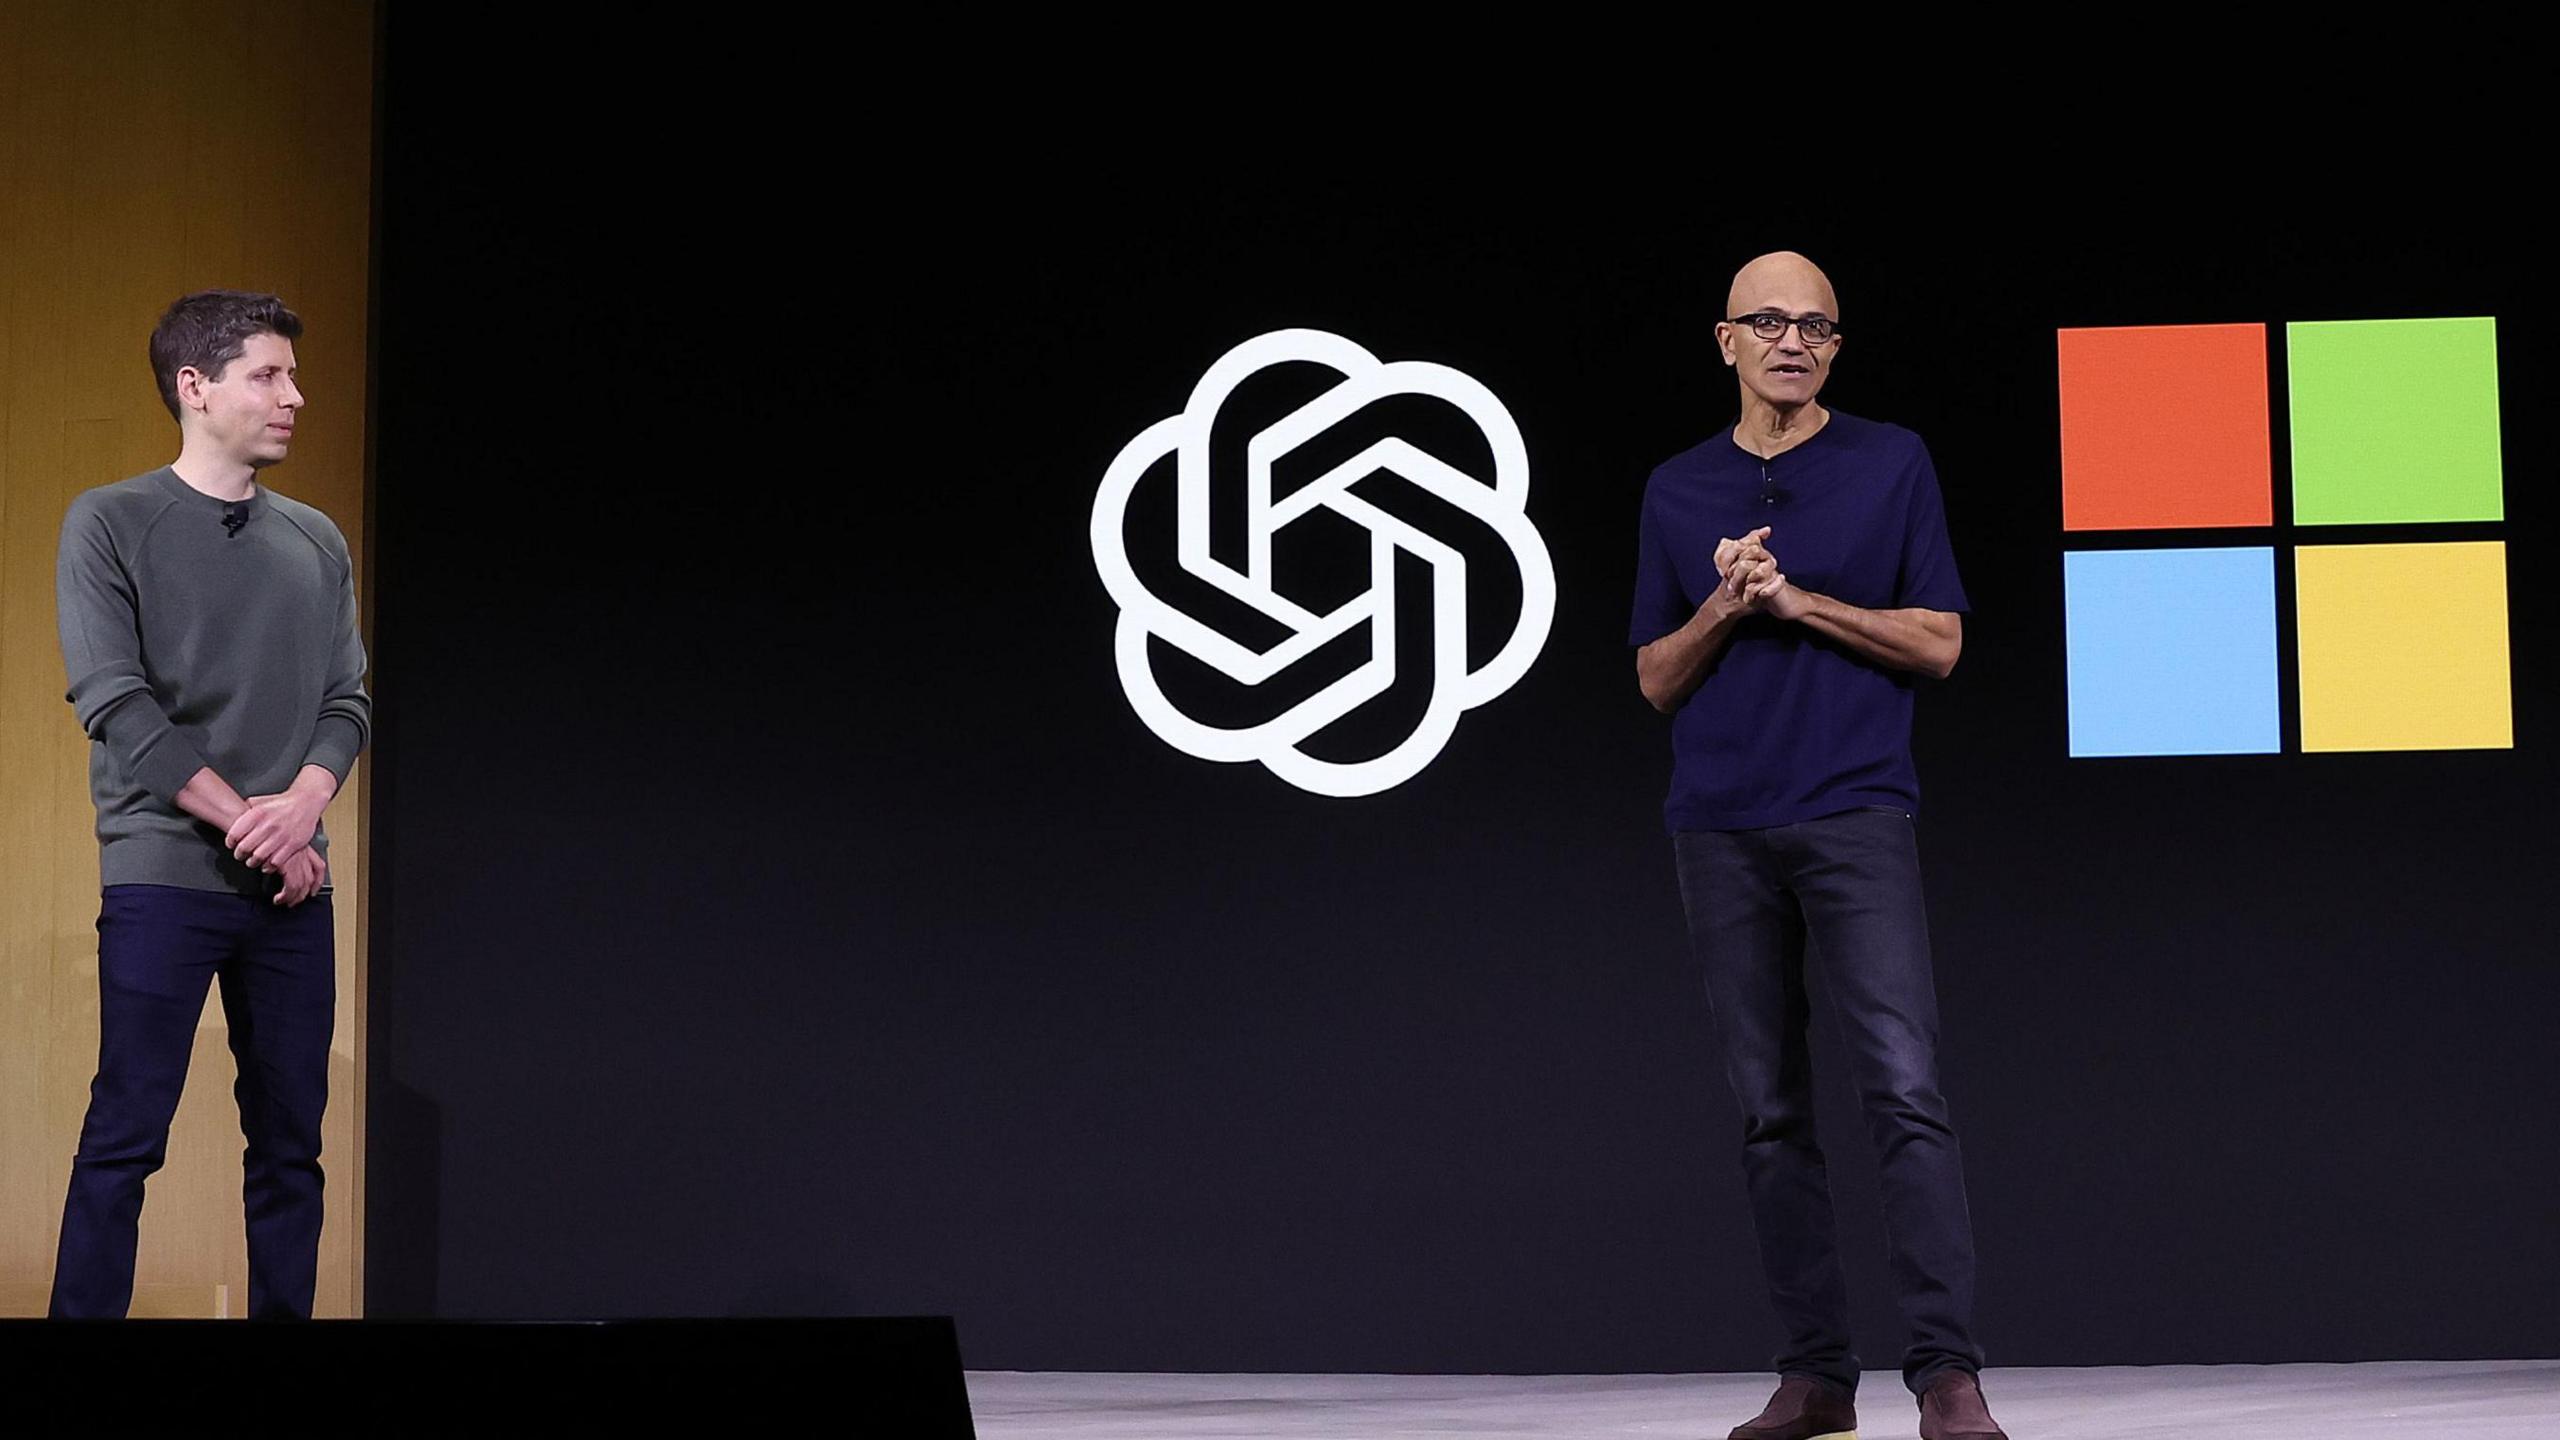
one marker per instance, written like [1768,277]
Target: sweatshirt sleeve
[102,656]
[346,711]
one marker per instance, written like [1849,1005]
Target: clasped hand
[1752,582]
[304,872]
[273,833]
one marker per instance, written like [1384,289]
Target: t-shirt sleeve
[1661,607]
[1928,578]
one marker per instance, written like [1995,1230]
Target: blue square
[2172,652]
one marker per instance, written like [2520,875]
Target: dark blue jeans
[1843,890]
[158,947]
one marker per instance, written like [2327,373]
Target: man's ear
[190,388]
[1724,342]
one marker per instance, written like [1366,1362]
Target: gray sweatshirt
[192,642]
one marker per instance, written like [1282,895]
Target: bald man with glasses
[1793,584]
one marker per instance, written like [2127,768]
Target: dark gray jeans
[1849,884]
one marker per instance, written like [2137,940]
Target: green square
[2394,421]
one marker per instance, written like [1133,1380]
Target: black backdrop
[779,910]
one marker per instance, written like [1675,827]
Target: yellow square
[2404,647]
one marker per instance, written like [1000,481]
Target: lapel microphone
[234,515]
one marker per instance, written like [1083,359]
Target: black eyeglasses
[1769,325]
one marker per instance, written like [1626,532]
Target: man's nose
[292,396]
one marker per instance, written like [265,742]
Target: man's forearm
[271,829]
[210,798]
[315,781]
[1923,641]
[1672,668]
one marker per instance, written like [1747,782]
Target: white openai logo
[1454,688]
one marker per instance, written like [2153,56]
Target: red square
[2164,427]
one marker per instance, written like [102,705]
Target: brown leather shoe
[1803,1409]
[1952,1409]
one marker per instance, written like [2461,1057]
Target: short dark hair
[208,330]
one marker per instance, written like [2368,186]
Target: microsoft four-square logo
[2399,627]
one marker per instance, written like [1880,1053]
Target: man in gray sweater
[209,633]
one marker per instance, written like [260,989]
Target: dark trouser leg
[158,947]
[1858,878]
[280,995]
[1747,937]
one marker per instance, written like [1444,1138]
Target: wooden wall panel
[149,149]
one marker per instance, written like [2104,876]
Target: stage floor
[2475,1400]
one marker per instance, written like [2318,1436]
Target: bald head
[1783,281]
[1780,376]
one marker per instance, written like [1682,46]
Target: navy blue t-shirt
[1790,725]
